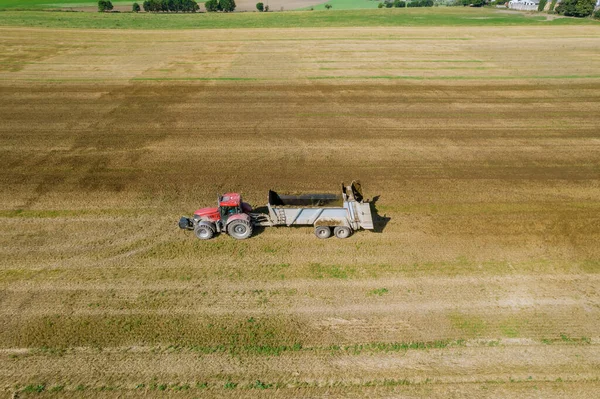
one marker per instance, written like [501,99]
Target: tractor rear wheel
[323,232]
[204,231]
[240,229]
[342,232]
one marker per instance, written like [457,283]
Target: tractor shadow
[379,221]
[257,230]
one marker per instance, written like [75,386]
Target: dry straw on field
[483,281]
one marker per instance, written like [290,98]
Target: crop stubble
[482,144]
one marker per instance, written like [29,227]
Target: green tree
[156,5]
[585,8]
[542,5]
[399,3]
[191,5]
[212,6]
[597,14]
[576,8]
[260,7]
[104,5]
[328,6]
[227,5]
[135,7]
[552,6]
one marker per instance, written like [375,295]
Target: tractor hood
[210,213]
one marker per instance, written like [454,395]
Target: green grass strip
[201,79]
[435,16]
[381,77]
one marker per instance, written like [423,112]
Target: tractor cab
[231,204]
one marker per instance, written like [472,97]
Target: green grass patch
[379,291]
[267,350]
[57,388]
[258,384]
[469,326]
[230,268]
[35,388]
[321,271]
[511,328]
[396,346]
[438,16]
[565,339]
[591,266]
[344,5]
[203,334]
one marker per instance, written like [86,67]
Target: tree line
[170,6]
[402,3]
[472,3]
[220,5]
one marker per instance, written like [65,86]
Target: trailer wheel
[342,232]
[239,229]
[204,231]
[323,232]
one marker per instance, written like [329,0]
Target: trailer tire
[204,231]
[342,232]
[240,229]
[323,232]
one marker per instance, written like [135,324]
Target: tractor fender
[208,224]
[239,216]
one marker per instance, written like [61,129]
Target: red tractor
[231,216]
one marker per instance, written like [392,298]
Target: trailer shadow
[379,221]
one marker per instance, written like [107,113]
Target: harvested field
[482,146]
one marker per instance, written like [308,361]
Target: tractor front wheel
[239,229]
[204,231]
[342,232]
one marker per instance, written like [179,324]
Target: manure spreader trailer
[330,214]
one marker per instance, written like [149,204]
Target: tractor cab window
[228,211]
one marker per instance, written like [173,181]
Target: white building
[525,5]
